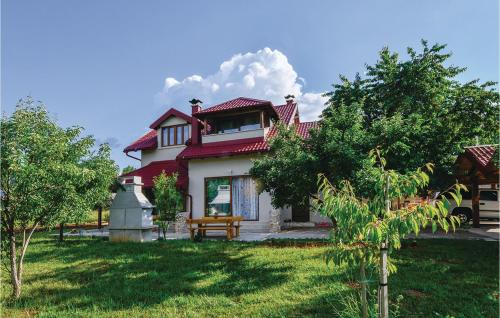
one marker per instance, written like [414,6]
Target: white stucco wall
[234,135]
[221,167]
[164,153]
[172,120]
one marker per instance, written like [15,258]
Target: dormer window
[174,135]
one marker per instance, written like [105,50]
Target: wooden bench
[218,223]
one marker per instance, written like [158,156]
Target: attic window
[174,135]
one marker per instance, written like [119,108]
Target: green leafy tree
[127,169]
[168,200]
[286,171]
[417,111]
[337,148]
[367,226]
[49,175]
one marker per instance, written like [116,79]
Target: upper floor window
[236,123]
[174,135]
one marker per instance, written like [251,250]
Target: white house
[212,152]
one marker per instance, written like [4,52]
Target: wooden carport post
[475,202]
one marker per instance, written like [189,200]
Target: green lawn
[95,278]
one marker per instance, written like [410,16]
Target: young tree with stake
[168,200]
[368,229]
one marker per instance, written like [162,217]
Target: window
[245,122]
[218,196]
[232,196]
[174,135]
[488,196]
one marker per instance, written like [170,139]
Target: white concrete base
[127,235]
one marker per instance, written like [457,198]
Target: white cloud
[265,74]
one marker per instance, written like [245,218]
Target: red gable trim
[225,148]
[171,112]
[147,141]
[155,168]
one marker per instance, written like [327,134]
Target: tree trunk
[165,229]
[24,248]
[61,232]
[99,217]
[16,284]
[364,283]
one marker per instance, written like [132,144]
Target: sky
[115,66]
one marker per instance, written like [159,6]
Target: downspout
[190,205]
[126,154]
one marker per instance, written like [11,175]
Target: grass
[95,278]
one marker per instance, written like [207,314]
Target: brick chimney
[195,124]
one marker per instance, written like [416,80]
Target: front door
[300,214]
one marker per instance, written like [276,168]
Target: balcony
[240,126]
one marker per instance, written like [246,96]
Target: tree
[367,227]
[168,200]
[414,109]
[127,169]
[49,175]
[337,148]
[418,112]
[286,171]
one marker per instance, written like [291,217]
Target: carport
[477,165]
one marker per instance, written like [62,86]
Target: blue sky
[114,66]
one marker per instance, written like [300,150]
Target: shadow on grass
[122,275]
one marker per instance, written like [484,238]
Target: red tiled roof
[171,112]
[286,112]
[147,141]
[225,148]
[155,168]
[482,154]
[302,129]
[236,103]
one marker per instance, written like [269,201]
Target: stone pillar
[130,217]
[180,222]
[275,222]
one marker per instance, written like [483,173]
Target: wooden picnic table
[209,223]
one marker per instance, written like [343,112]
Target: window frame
[166,143]
[238,118]
[230,195]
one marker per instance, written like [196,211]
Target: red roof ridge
[230,142]
[224,148]
[235,103]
